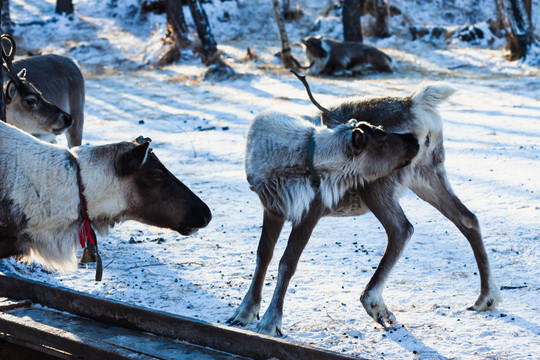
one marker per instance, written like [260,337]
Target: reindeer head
[314,47]
[156,196]
[379,153]
[370,148]
[28,110]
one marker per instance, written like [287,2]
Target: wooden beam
[197,332]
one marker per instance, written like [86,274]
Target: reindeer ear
[359,139]
[131,160]
[22,74]
[10,89]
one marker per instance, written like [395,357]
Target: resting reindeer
[301,173]
[42,205]
[41,92]
[426,176]
[329,56]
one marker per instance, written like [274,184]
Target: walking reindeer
[361,168]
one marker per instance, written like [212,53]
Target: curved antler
[7,57]
[324,110]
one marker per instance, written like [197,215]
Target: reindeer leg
[249,308]
[436,190]
[384,205]
[270,323]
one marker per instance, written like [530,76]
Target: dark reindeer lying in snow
[40,204]
[329,57]
[354,180]
[45,97]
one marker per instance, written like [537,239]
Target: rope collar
[313,175]
[87,235]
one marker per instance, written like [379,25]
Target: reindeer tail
[429,96]
[425,100]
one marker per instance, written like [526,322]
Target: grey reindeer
[301,172]
[276,170]
[45,84]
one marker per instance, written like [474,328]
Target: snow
[492,139]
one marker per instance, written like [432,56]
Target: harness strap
[313,175]
[87,235]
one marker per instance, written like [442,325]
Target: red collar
[86,232]
[87,235]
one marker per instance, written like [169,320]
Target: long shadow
[521,322]
[413,345]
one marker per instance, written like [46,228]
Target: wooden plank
[62,343]
[8,304]
[205,334]
[97,337]
[13,349]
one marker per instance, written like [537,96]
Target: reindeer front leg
[399,230]
[270,323]
[249,308]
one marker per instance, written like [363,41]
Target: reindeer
[415,114]
[46,97]
[49,194]
[301,172]
[329,56]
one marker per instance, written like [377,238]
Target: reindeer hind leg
[436,190]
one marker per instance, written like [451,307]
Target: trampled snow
[492,140]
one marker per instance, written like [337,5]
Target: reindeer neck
[103,190]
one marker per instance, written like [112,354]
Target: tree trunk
[177,29]
[381,24]
[218,70]
[7,24]
[351,14]
[208,44]
[176,37]
[516,19]
[64,7]
[286,56]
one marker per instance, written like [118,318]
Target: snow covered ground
[492,138]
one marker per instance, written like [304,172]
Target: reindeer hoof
[270,325]
[243,316]
[273,330]
[488,302]
[376,308]
[386,319]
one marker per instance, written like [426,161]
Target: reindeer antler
[302,78]
[7,57]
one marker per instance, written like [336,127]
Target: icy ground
[492,138]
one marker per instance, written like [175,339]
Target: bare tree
[515,17]
[288,60]
[177,33]
[351,14]
[210,55]
[7,24]
[64,7]
[382,16]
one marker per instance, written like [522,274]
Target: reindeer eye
[31,101]
[157,176]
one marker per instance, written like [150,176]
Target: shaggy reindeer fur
[276,163]
[39,197]
[426,176]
